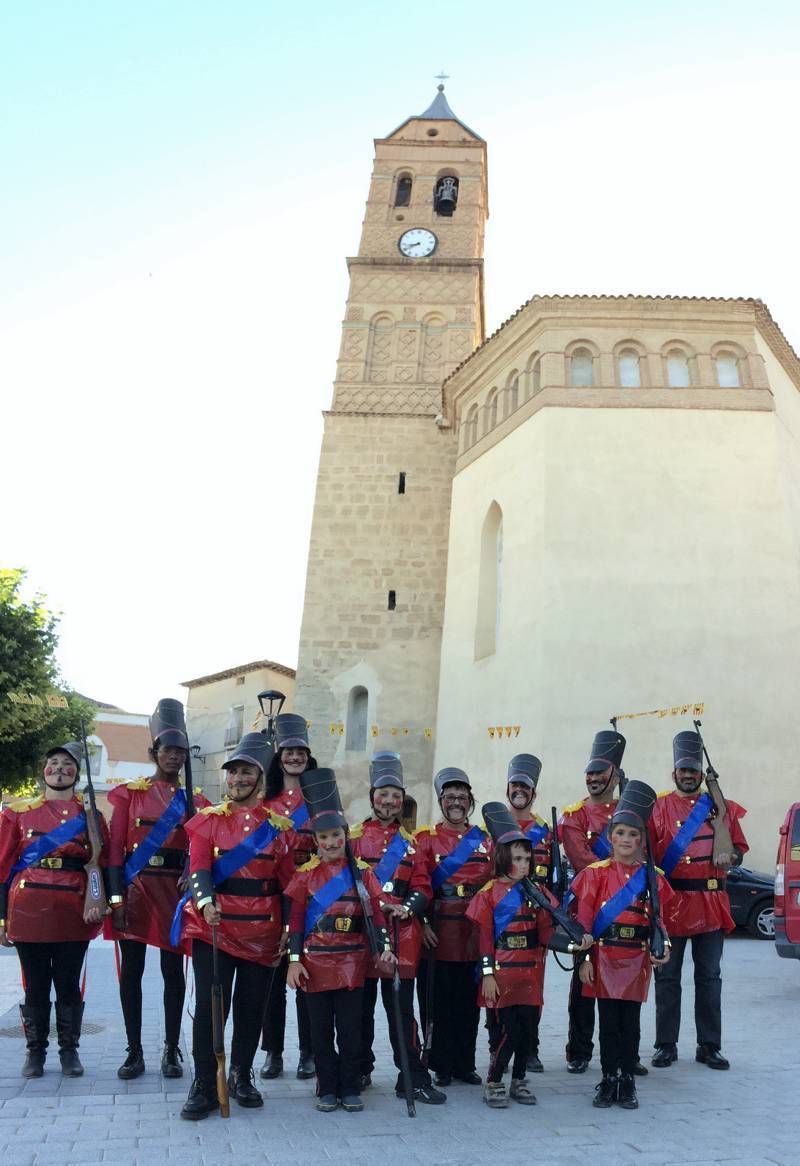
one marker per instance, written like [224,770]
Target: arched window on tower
[357,708]
[536,376]
[581,368]
[445,195]
[490,584]
[678,369]
[628,371]
[491,411]
[727,370]
[471,427]
[402,192]
[511,395]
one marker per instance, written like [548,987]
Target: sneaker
[626,1093]
[605,1094]
[427,1094]
[521,1091]
[327,1103]
[133,1065]
[352,1103]
[495,1095]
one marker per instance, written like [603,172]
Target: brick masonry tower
[368,669]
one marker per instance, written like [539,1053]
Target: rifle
[429,1005]
[405,1068]
[623,781]
[658,935]
[723,851]
[572,928]
[95,889]
[218,1029]
[366,903]
[557,872]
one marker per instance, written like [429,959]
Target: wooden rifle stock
[405,1067]
[218,1029]
[95,895]
[723,852]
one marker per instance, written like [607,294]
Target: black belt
[712,884]
[342,923]
[625,934]
[516,941]
[456,891]
[168,859]
[59,863]
[248,888]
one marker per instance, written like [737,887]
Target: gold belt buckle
[343,923]
[517,941]
[541,871]
[461,891]
[51,863]
[712,884]
[155,860]
[626,932]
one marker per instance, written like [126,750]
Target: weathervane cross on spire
[442,77]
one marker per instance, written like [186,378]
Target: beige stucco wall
[649,559]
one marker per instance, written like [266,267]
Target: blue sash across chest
[156,836]
[683,839]
[601,846]
[620,901]
[395,852]
[59,836]
[336,886]
[299,817]
[536,834]
[507,908]
[458,857]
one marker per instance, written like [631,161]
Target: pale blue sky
[181,183]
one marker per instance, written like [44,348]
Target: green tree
[28,675]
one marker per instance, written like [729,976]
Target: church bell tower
[368,669]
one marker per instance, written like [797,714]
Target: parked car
[752,896]
[787,886]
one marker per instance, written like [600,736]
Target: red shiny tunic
[153,895]
[622,967]
[335,953]
[251,916]
[458,939]
[301,843]
[697,910]
[369,842]
[45,903]
[518,952]
[541,858]
[582,824]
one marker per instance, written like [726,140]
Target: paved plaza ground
[688,1115]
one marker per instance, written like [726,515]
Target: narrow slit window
[401,483]
[392,600]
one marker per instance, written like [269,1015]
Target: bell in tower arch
[445,195]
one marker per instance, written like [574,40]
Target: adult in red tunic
[522,781]
[617,969]
[283,796]
[701,911]
[456,858]
[583,829]
[42,912]
[513,936]
[243,904]
[143,905]
[390,852]
[328,950]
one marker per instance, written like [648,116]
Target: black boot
[272,1067]
[306,1068]
[242,1089]
[36,1026]
[68,1027]
[605,1094]
[626,1094]
[202,1100]
[133,1065]
[171,1061]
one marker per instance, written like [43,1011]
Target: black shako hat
[687,751]
[635,805]
[450,776]
[168,724]
[525,769]
[291,731]
[501,823]
[321,796]
[253,747]
[607,749]
[73,748]
[386,769]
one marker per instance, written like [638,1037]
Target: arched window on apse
[357,703]
[511,396]
[402,193]
[491,410]
[678,369]
[581,368]
[628,371]
[536,376]
[490,584]
[727,367]
[471,427]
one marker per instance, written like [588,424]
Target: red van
[787,886]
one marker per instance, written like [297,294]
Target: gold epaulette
[220,808]
[357,831]
[312,862]
[362,865]
[424,830]
[487,886]
[138,783]
[198,789]
[405,834]
[664,793]
[24,804]
[573,808]
[540,821]
[279,821]
[601,863]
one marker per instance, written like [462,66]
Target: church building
[592,513]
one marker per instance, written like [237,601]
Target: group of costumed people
[272,888]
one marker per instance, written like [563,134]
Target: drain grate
[89,1028]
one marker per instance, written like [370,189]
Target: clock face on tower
[417,243]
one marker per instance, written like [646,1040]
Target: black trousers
[493,1029]
[456,1015]
[619,1035]
[580,1044]
[706,957]
[512,1028]
[48,965]
[273,1028]
[133,955]
[410,1034]
[336,1040]
[248,1001]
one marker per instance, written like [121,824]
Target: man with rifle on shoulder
[696,838]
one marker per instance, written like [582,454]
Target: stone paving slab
[688,1115]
